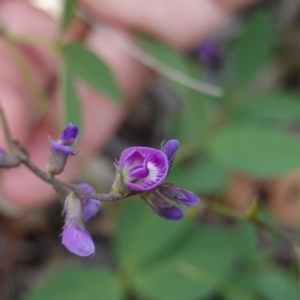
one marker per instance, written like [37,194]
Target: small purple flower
[60,149]
[177,194]
[77,240]
[74,236]
[140,169]
[90,206]
[8,160]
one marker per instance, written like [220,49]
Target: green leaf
[253,48]
[257,151]
[85,65]
[204,177]
[195,119]
[77,283]
[163,53]
[157,255]
[275,284]
[142,235]
[72,108]
[67,14]
[195,269]
[274,106]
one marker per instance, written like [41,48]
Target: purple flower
[74,236]
[77,240]
[90,206]
[179,195]
[60,149]
[140,169]
[8,160]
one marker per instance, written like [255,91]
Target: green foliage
[178,260]
[160,257]
[254,150]
[67,14]
[253,48]
[276,284]
[85,65]
[200,176]
[77,283]
[269,108]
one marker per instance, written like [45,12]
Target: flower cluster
[143,170]
[140,170]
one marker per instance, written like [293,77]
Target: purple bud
[170,148]
[77,240]
[171,213]
[69,135]
[60,150]
[140,169]
[90,206]
[8,160]
[161,206]
[75,237]
[179,195]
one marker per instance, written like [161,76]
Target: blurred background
[232,100]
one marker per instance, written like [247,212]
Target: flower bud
[60,150]
[170,148]
[161,206]
[177,194]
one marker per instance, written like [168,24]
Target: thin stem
[152,62]
[71,188]
[56,183]
[155,64]
[228,212]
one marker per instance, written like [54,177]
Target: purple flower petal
[170,148]
[140,172]
[58,147]
[143,168]
[171,213]
[86,187]
[90,206]
[69,135]
[178,194]
[77,240]
[131,157]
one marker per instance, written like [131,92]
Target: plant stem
[56,183]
